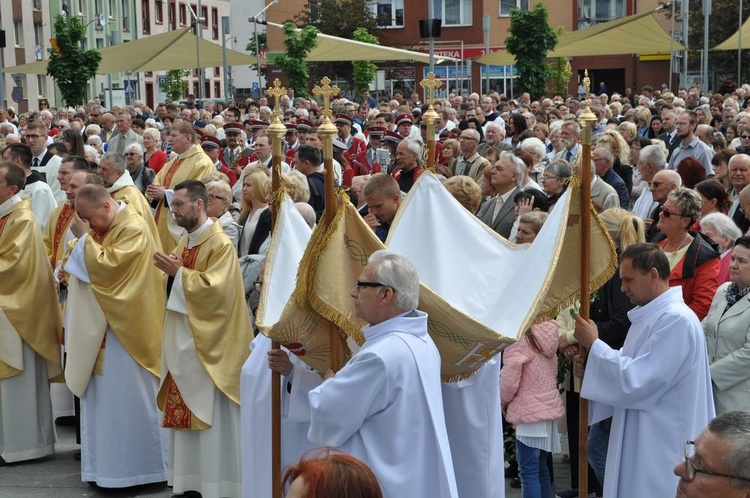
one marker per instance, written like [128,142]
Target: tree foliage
[176,83]
[262,44]
[337,18]
[69,64]
[294,61]
[531,38]
[561,74]
[363,72]
[724,22]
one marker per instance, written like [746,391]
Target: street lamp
[224,32]
[198,23]
[255,22]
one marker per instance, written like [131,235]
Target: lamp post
[224,32]
[198,23]
[255,22]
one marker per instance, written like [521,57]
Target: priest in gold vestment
[30,326]
[191,163]
[119,183]
[115,314]
[207,331]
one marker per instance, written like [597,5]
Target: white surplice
[255,398]
[207,461]
[122,442]
[385,408]
[475,431]
[26,428]
[658,390]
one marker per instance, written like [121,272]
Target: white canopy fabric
[164,52]
[733,42]
[636,34]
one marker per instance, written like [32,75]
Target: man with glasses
[471,163]
[662,184]
[716,463]
[651,160]
[391,389]
[125,135]
[739,177]
[690,144]
[657,387]
[43,161]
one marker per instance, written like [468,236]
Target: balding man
[662,184]
[739,177]
[107,124]
[494,136]
[506,179]
[470,163]
[114,321]
[650,161]
[409,154]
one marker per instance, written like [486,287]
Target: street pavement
[59,476]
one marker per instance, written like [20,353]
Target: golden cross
[326,91]
[586,82]
[276,92]
[431,84]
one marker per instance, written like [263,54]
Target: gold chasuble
[28,300]
[219,325]
[131,196]
[193,165]
[128,289]
[54,232]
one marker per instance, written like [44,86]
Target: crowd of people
[130,240]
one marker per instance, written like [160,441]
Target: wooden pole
[430,117]
[587,120]
[276,131]
[326,131]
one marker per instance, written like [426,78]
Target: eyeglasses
[656,184]
[94,115]
[132,154]
[668,214]
[692,469]
[361,284]
[467,138]
[32,136]
[549,177]
[745,137]
[215,197]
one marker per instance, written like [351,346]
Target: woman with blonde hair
[255,218]
[643,120]
[449,157]
[613,141]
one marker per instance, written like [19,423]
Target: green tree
[294,61]
[262,44]
[69,64]
[176,83]
[337,18]
[561,73]
[363,72]
[531,38]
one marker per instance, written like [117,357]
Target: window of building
[389,13]
[183,14]
[217,89]
[171,15]
[125,16]
[41,84]
[98,7]
[18,33]
[159,12]
[146,16]
[36,5]
[453,12]
[204,15]
[112,8]
[214,23]
[591,12]
[507,5]
[38,34]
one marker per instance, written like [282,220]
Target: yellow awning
[636,34]
[335,49]
[164,52]
[733,42]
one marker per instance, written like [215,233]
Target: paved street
[60,477]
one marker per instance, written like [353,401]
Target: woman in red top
[153,158]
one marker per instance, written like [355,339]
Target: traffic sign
[161,80]
[129,86]
[17,94]
[255,86]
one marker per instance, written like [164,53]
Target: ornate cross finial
[431,84]
[587,82]
[276,92]
[326,91]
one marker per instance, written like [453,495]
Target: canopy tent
[335,49]
[733,42]
[164,52]
[636,34]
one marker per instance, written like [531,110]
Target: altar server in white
[657,387]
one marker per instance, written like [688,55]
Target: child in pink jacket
[532,403]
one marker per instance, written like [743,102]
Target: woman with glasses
[728,334]
[555,180]
[744,147]
[141,175]
[693,261]
[721,229]
[219,200]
